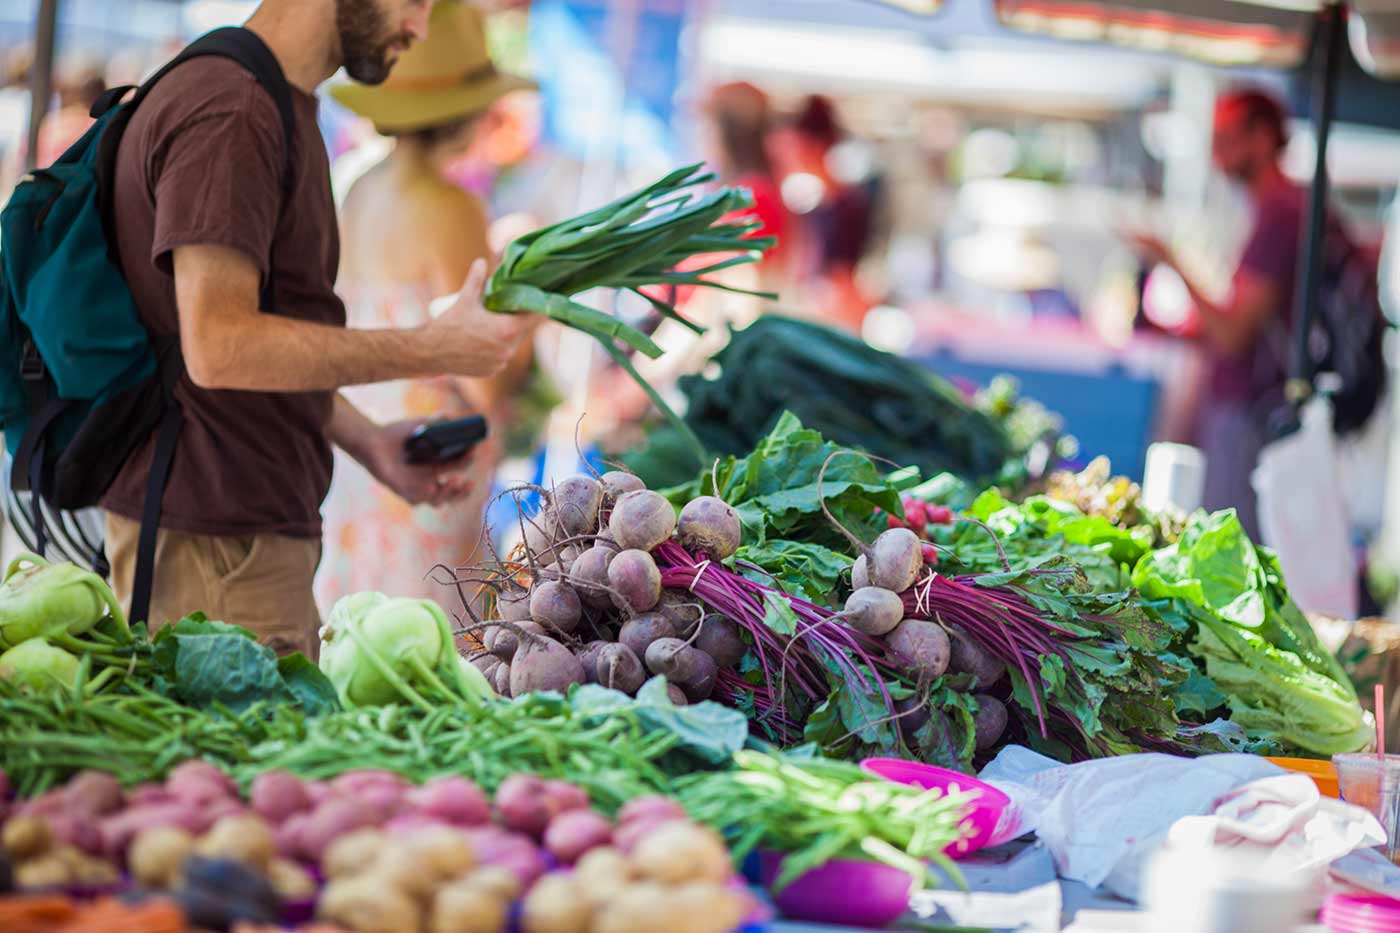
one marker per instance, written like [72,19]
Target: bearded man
[202,218]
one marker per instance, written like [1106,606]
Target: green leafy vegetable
[774,489]
[203,663]
[1258,648]
[800,568]
[710,732]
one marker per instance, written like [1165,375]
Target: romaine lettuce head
[1255,643]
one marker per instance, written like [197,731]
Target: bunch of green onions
[635,242]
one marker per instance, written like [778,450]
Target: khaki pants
[261,582]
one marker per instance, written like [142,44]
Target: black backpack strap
[144,578]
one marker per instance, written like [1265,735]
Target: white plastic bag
[1303,515]
[1103,818]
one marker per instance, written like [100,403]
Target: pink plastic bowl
[843,892]
[1359,913]
[984,813]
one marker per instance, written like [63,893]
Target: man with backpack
[1249,334]
[220,217]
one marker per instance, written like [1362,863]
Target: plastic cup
[1374,784]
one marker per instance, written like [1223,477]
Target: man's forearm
[271,353]
[350,429]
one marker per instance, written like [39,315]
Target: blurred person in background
[835,214]
[410,234]
[1246,333]
[738,131]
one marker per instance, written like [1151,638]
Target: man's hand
[474,341]
[418,484]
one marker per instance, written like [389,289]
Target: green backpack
[83,384]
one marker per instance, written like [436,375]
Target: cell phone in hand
[444,441]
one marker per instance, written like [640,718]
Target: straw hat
[448,76]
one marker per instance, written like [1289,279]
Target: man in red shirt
[1246,333]
[202,223]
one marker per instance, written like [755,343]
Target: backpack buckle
[31,367]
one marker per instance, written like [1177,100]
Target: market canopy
[1272,33]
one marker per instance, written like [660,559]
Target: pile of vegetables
[613,746]
[1245,656]
[395,857]
[636,242]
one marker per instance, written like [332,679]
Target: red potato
[319,792]
[197,791]
[512,851]
[630,834]
[569,835]
[208,816]
[522,804]
[650,807]
[563,796]
[288,835]
[410,821]
[453,799]
[143,794]
[353,783]
[276,795]
[50,804]
[120,828]
[332,819]
[77,830]
[93,793]
[198,769]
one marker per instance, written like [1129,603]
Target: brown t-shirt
[201,164]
